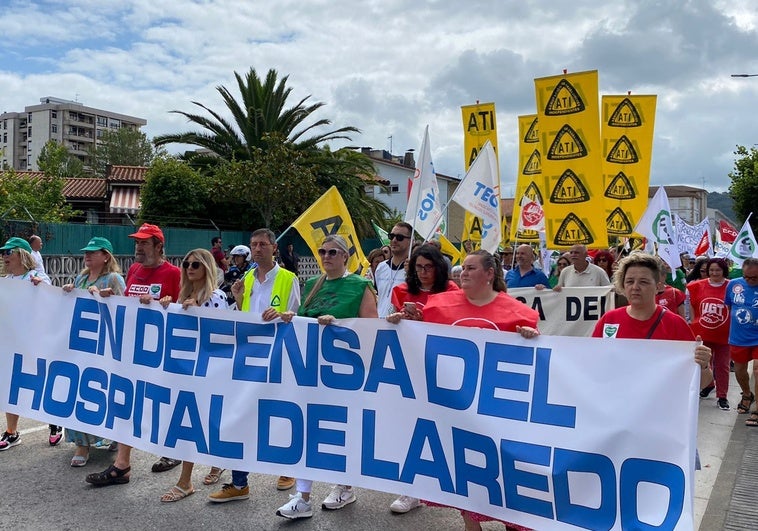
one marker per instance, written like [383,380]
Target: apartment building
[70,123]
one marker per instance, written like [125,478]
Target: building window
[54,115]
[29,131]
[5,138]
[99,133]
[53,128]
[394,188]
[30,118]
[102,121]
[115,124]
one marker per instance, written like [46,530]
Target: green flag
[381,233]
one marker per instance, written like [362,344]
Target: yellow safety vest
[280,294]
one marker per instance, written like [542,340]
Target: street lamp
[744,75]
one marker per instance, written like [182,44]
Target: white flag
[479,193]
[744,245]
[532,216]
[689,236]
[657,226]
[424,210]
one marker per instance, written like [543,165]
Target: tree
[174,194]
[56,159]
[744,187]
[41,198]
[262,110]
[124,146]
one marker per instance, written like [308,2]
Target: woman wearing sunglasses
[101,273]
[20,265]
[336,294]
[562,262]
[197,288]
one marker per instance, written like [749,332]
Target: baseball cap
[17,243]
[147,231]
[98,243]
[241,250]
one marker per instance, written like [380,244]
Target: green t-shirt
[340,297]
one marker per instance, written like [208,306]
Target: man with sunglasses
[150,277]
[270,290]
[391,272]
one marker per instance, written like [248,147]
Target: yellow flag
[627,138]
[569,129]
[329,215]
[479,125]
[449,249]
[529,180]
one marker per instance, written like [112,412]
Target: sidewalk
[726,486]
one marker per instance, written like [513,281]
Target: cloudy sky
[390,67]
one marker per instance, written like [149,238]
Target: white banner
[689,236]
[569,312]
[546,432]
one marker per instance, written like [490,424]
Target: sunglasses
[328,252]
[194,265]
[8,252]
[424,267]
[398,237]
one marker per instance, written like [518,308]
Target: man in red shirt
[218,254]
[150,277]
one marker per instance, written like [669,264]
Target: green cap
[98,243]
[17,243]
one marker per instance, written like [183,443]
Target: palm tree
[262,109]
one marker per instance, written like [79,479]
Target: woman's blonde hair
[636,259]
[209,264]
[27,260]
[111,265]
[340,242]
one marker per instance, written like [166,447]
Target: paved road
[41,491]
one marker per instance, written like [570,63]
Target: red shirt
[400,294]
[671,298]
[219,256]
[504,313]
[619,324]
[710,316]
[154,281]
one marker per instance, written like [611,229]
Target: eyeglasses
[194,265]
[424,268]
[330,252]
[253,245]
[8,252]
[751,279]
[398,237]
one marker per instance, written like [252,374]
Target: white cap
[241,250]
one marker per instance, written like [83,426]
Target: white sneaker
[340,496]
[297,507]
[404,504]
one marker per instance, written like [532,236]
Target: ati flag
[424,210]
[479,193]
[744,245]
[531,217]
[657,226]
[327,216]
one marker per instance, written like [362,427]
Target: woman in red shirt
[710,320]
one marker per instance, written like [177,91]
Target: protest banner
[473,418]
[527,182]
[569,312]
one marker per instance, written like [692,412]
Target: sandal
[753,420]
[165,463]
[176,493]
[110,476]
[213,476]
[745,403]
[79,460]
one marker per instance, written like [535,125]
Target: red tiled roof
[84,188]
[30,174]
[134,174]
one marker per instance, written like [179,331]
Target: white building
[70,123]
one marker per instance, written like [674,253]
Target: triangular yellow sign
[533,166]
[566,145]
[623,152]
[618,223]
[564,100]
[572,232]
[533,192]
[620,187]
[625,115]
[532,135]
[569,189]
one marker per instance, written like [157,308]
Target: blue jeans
[239,478]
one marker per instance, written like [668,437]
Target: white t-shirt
[592,276]
[387,277]
[40,265]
